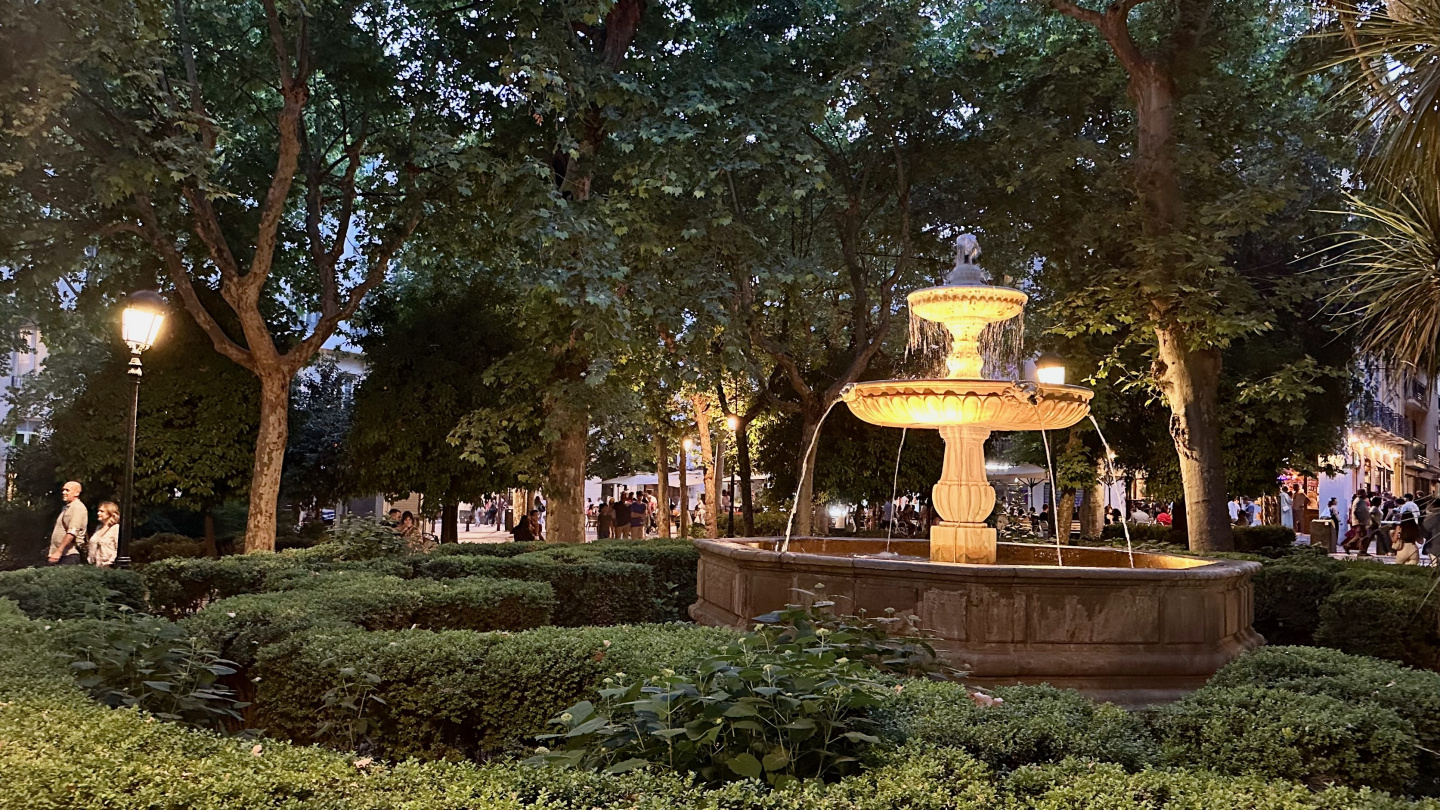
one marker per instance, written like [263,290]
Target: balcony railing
[1366,409]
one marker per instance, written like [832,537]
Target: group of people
[1143,512]
[1393,525]
[636,515]
[72,542]
[416,540]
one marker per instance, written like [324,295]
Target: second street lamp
[139,326]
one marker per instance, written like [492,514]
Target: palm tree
[1392,257]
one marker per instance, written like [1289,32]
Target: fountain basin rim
[1207,570]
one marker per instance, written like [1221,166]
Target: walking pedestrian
[1287,512]
[605,519]
[639,513]
[68,536]
[104,545]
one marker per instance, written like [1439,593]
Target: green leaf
[746,765]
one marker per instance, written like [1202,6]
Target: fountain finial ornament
[966,272]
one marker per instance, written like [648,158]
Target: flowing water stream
[1054,504]
[894,484]
[1110,468]
[804,470]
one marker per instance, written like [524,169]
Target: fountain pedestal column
[964,499]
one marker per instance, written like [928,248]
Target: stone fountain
[964,406]
[1135,628]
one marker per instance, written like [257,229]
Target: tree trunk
[707,451]
[1064,516]
[662,483]
[805,502]
[1092,511]
[1190,380]
[212,548]
[450,523]
[565,485]
[269,461]
[742,457]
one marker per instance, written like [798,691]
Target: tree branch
[175,268]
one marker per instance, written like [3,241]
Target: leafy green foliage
[352,710]
[778,705]
[321,406]
[158,547]
[196,425]
[145,662]
[1033,724]
[429,346]
[889,643]
[457,693]
[361,538]
[1311,738]
[71,591]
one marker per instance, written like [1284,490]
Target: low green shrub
[487,549]
[1288,594]
[141,661]
[462,694]
[1385,615]
[1412,694]
[1034,724]
[158,547]
[588,591]
[674,565]
[1314,739]
[177,587]
[240,625]
[1148,533]
[1274,540]
[1082,785]
[71,591]
[62,750]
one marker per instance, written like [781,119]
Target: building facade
[1390,441]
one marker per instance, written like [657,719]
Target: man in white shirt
[69,533]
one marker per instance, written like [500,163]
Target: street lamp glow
[733,421]
[686,444]
[1050,369]
[141,321]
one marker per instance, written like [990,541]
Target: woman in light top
[105,542]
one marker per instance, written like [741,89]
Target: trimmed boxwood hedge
[239,626]
[1034,724]
[62,750]
[587,591]
[1310,738]
[1414,695]
[71,591]
[462,694]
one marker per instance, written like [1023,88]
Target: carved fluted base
[962,543]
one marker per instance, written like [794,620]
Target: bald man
[69,533]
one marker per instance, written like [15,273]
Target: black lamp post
[733,422]
[140,324]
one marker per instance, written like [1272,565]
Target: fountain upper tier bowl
[993,404]
[981,304]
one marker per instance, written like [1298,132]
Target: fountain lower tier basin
[993,404]
[1134,636]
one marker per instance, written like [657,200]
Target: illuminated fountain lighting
[965,407]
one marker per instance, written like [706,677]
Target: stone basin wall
[1133,635]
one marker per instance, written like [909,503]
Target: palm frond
[1389,276]
[1396,52]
